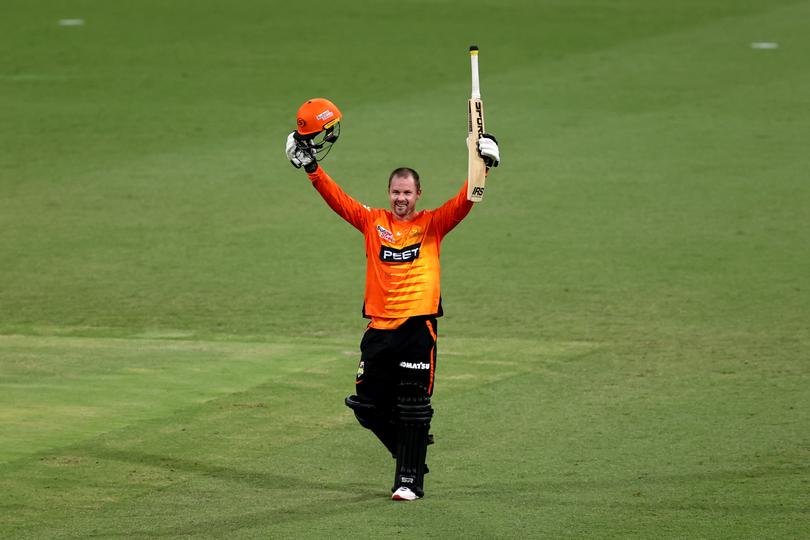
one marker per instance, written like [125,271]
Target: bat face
[476,117]
[476,169]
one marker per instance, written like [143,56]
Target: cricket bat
[476,169]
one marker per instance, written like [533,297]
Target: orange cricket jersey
[402,258]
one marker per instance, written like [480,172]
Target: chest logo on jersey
[385,234]
[394,255]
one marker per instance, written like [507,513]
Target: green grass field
[625,347]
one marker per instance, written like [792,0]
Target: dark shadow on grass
[345,496]
[262,480]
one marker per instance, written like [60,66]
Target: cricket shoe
[404,494]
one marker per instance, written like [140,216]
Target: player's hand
[299,156]
[488,150]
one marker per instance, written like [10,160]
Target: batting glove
[299,156]
[488,149]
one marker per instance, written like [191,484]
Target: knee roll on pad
[413,404]
[414,412]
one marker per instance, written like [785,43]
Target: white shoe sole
[404,494]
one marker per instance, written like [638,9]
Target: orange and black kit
[395,377]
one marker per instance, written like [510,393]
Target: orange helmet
[317,115]
[318,126]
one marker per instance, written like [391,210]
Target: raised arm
[303,151]
[450,214]
[337,199]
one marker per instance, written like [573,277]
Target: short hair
[405,172]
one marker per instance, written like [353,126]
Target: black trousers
[389,358]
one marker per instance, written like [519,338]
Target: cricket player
[395,377]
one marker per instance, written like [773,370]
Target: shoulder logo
[385,234]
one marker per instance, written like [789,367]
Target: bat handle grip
[476,88]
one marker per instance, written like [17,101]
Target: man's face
[403,195]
